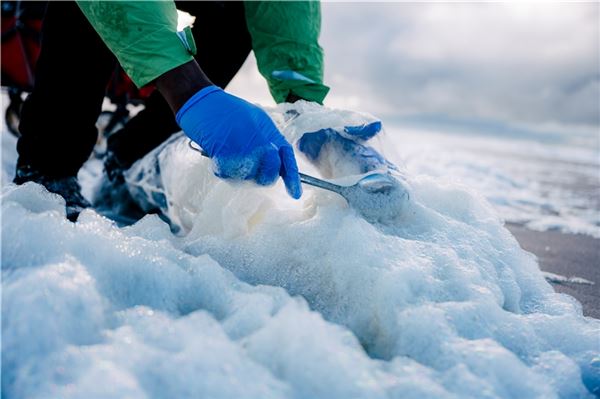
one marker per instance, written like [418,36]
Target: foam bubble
[263,296]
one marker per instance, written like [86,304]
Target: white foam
[559,279]
[264,296]
[544,183]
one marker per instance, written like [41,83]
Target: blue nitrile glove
[241,139]
[347,141]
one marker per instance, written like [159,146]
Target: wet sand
[569,255]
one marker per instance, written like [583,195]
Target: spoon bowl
[378,197]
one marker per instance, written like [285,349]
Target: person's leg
[221,36]
[223,43]
[58,119]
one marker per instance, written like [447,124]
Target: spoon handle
[313,181]
[307,179]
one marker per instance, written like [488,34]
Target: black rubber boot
[113,199]
[67,187]
[114,167]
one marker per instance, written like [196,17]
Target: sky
[533,65]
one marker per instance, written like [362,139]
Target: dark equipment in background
[21,38]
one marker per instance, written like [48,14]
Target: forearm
[285,43]
[181,83]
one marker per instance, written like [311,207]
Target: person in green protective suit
[189,68]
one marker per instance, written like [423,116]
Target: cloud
[525,63]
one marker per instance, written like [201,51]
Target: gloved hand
[348,143]
[241,139]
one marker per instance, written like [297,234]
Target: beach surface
[568,255]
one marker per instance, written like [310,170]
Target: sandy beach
[568,255]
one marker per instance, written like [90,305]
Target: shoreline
[568,255]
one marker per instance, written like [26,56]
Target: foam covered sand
[261,296]
[544,181]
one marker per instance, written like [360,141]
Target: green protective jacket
[143,35]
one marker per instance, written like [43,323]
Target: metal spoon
[378,197]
